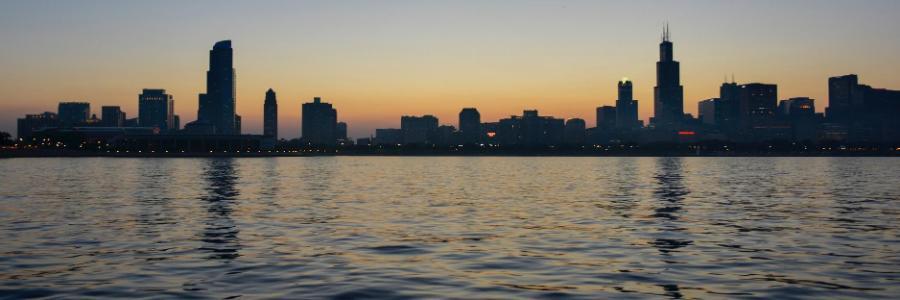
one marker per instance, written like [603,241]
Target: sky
[378,60]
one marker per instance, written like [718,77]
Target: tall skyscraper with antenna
[668,95]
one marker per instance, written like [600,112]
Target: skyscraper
[470,125]
[574,134]
[626,107]
[729,107]
[155,109]
[270,115]
[757,103]
[112,116]
[419,130]
[841,91]
[217,105]
[606,118]
[319,123]
[340,132]
[709,110]
[73,113]
[668,95]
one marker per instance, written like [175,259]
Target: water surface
[450,227]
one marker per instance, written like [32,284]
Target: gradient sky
[378,60]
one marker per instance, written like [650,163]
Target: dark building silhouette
[176,122]
[668,95]
[319,123]
[419,130]
[470,125]
[270,115]
[728,108]
[156,109]
[800,113]
[841,91]
[73,113]
[626,108]
[112,116]
[708,111]
[30,123]
[606,118]
[574,133]
[341,132]
[757,102]
[217,105]
[867,114]
[388,136]
[530,130]
[446,135]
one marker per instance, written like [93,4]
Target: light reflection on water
[454,227]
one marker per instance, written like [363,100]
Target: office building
[668,95]
[72,114]
[270,115]
[156,109]
[626,108]
[112,116]
[216,111]
[574,134]
[606,118]
[31,123]
[470,125]
[419,130]
[318,123]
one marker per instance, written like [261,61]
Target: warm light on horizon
[377,61]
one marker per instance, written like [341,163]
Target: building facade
[318,123]
[270,115]
[156,109]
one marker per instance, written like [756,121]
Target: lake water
[450,227]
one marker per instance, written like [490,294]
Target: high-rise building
[73,113]
[574,132]
[319,123]
[419,130]
[626,107]
[668,95]
[217,105]
[112,116]
[341,132]
[176,121]
[709,111]
[470,125]
[729,107]
[867,114]
[270,115]
[156,109]
[800,113]
[757,102]
[31,123]
[841,93]
[606,118]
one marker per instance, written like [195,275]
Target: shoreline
[266,154]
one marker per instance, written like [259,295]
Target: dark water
[349,227]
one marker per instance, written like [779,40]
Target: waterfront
[450,227]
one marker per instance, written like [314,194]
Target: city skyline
[566,86]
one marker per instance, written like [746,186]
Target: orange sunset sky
[378,60]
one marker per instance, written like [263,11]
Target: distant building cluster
[742,113]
